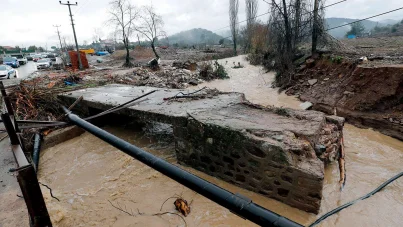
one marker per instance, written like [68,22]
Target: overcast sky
[29,22]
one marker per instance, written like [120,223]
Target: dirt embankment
[366,96]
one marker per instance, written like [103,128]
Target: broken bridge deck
[264,149]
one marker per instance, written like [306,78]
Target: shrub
[255,58]
[337,59]
[206,70]
[219,71]
[210,71]
[282,111]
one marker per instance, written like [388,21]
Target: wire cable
[333,4]
[365,18]
[330,213]
[336,3]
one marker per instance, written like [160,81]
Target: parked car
[44,63]
[50,61]
[51,57]
[37,57]
[30,57]
[11,61]
[7,71]
[21,58]
[101,53]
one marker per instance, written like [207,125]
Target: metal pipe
[237,204]
[37,149]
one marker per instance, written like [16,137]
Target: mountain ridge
[193,36]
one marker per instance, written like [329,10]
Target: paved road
[22,72]
[13,211]
[25,70]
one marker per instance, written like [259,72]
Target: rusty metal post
[6,99]
[10,129]
[33,197]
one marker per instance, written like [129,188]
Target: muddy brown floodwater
[85,174]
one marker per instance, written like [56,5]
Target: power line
[81,6]
[324,7]
[80,10]
[333,4]
[365,19]
[244,20]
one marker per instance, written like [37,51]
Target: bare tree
[233,21]
[251,13]
[112,36]
[97,34]
[122,16]
[151,26]
[297,19]
[315,26]
[291,24]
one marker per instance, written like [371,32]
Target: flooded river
[89,176]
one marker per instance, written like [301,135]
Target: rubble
[306,105]
[312,82]
[189,65]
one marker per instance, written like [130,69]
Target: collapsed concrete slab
[277,152]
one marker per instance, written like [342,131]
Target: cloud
[30,22]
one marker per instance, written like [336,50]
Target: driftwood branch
[118,207]
[50,190]
[342,165]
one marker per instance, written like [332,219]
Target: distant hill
[341,32]
[193,37]
[389,22]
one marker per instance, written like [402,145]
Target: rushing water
[85,173]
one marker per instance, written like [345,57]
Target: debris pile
[36,98]
[167,77]
[189,65]
[179,75]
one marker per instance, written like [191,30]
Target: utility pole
[315,29]
[58,34]
[74,31]
[61,46]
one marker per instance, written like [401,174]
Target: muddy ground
[362,82]
[366,96]
[142,55]
[13,211]
[379,50]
